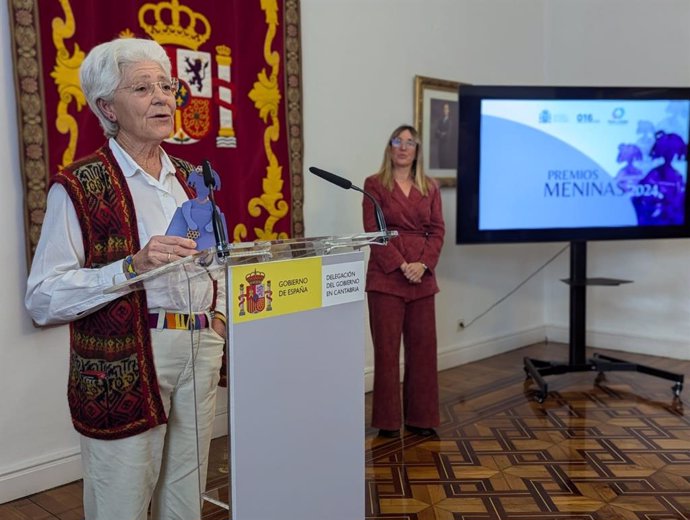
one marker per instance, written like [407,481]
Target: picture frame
[436,120]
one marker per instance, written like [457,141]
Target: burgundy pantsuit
[399,309]
[415,321]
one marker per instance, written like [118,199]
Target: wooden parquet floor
[616,450]
[619,450]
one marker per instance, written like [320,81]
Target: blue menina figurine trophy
[194,218]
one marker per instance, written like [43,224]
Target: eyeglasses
[145,88]
[396,142]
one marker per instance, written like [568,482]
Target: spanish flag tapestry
[238,105]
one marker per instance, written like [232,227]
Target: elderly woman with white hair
[136,381]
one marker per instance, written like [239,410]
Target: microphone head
[331,177]
[209,181]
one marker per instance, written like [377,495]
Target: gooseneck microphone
[347,185]
[222,249]
[332,177]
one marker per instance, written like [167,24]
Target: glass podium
[295,373]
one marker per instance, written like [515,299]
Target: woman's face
[147,118]
[404,154]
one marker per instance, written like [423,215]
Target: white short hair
[103,68]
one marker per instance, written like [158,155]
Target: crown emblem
[172,23]
[255,278]
[222,50]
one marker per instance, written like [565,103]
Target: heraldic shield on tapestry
[200,93]
[238,103]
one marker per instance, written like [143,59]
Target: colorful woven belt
[179,321]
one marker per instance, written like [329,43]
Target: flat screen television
[542,164]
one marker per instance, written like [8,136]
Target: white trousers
[160,466]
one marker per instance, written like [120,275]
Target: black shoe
[422,432]
[389,434]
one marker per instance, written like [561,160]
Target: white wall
[359,61]
[624,42]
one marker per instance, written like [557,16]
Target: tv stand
[577,362]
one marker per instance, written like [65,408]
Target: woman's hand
[413,271]
[161,250]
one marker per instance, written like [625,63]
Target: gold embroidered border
[66,76]
[293,89]
[33,142]
[266,96]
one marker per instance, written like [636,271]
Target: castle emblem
[204,98]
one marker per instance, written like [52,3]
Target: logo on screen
[586,118]
[618,116]
[546,116]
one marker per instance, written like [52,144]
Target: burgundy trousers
[392,318]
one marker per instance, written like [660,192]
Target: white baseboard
[48,472]
[463,353]
[487,347]
[652,346]
[39,474]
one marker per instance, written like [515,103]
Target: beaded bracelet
[128,266]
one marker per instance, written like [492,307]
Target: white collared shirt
[60,289]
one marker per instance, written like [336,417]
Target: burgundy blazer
[419,223]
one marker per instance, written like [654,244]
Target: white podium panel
[296,392]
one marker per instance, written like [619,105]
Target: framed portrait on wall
[436,119]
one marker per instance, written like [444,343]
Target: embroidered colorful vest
[113,390]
